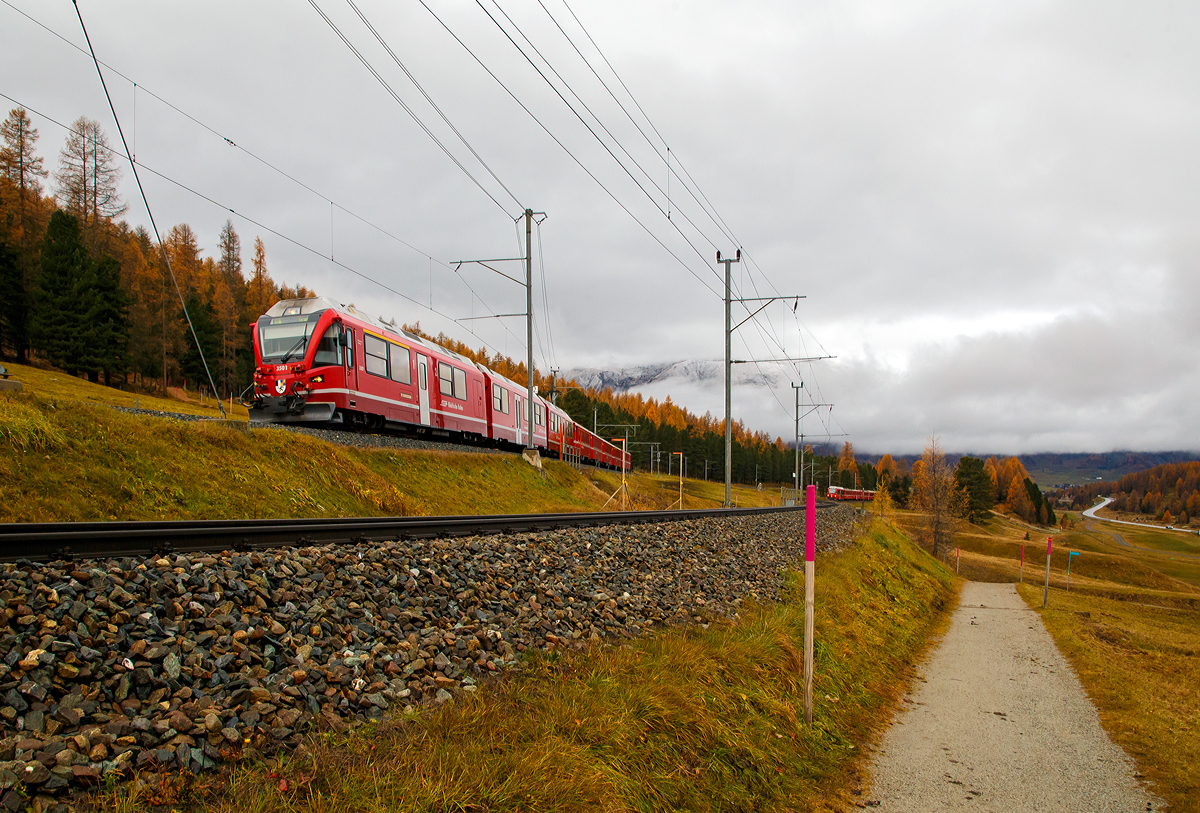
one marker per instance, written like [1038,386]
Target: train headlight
[317,379]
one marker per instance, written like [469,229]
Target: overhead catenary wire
[429,99]
[665,158]
[697,195]
[149,211]
[404,105]
[770,335]
[572,155]
[588,127]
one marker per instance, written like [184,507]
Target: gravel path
[999,722]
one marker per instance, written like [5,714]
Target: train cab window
[401,363]
[377,355]
[328,349]
[453,381]
[499,399]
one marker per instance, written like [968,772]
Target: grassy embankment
[66,456]
[1130,626]
[688,719]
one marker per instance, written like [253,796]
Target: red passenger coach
[321,362]
[839,493]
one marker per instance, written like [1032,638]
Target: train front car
[299,373]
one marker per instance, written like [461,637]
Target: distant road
[1091,514]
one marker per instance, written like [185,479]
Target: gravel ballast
[1000,722]
[187,661]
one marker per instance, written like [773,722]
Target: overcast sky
[993,208]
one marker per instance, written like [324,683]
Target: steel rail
[49,541]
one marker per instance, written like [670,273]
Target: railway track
[49,541]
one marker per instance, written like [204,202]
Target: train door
[348,360]
[517,401]
[423,387]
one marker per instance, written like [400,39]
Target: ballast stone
[184,662]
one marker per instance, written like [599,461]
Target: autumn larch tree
[847,468]
[87,180]
[936,495]
[24,219]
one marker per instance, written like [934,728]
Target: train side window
[377,355]
[453,381]
[328,349]
[499,399]
[538,417]
[401,363]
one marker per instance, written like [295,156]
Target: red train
[839,493]
[317,361]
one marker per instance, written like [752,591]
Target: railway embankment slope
[176,666]
[63,460]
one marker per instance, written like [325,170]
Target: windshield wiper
[295,347]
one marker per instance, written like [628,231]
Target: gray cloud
[992,208]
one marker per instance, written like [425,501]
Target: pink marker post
[957,557]
[1022,576]
[810,556]
[1049,550]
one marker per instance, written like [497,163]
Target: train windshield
[284,338]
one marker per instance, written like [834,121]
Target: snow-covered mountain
[707,373]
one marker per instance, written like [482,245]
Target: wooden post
[810,555]
[1049,550]
[1022,576]
[957,557]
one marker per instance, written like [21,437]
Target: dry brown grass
[1141,667]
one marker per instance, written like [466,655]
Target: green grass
[59,386]
[689,719]
[65,460]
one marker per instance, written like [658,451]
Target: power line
[146,203]
[717,220]
[572,155]
[728,235]
[429,99]
[587,126]
[424,127]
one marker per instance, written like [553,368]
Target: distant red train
[839,493]
[321,362]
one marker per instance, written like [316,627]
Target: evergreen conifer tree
[58,330]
